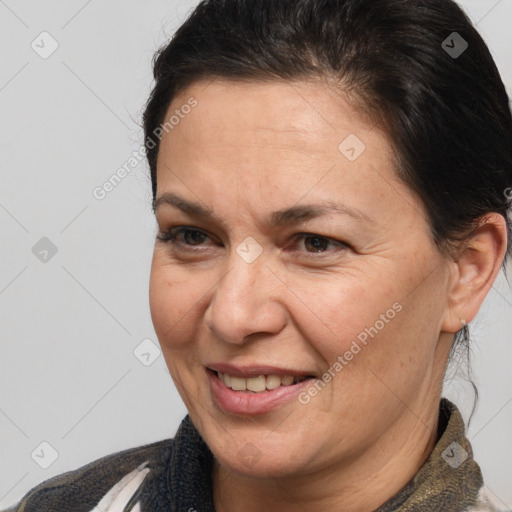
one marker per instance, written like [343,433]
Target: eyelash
[169,237]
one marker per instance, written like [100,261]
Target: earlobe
[476,268]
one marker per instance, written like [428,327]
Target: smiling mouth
[259,384]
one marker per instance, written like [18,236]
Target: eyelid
[169,236]
[339,244]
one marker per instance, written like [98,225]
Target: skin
[249,149]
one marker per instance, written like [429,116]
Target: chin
[252,463]
[255,450]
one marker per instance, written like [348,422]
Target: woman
[330,184]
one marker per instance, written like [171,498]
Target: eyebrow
[285,217]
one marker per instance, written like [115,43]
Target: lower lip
[242,402]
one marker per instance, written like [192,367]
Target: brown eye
[320,244]
[193,237]
[190,237]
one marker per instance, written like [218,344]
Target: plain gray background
[72,323]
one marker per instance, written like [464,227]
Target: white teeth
[287,380]
[258,384]
[238,384]
[273,381]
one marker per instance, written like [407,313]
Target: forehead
[277,142]
[290,113]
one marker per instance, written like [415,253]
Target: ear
[474,271]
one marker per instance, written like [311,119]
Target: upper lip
[247,371]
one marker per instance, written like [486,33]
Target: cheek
[173,306]
[175,322]
[373,335]
[390,359]
[339,311]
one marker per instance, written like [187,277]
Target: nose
[246,301]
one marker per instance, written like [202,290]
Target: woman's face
[264,276]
